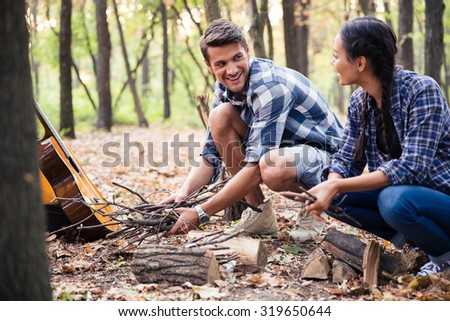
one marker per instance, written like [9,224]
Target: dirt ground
[100,269]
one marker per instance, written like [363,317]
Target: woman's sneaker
[433,268]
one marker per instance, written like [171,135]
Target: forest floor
[100,270]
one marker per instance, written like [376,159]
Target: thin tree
[368,7]
[131,80]
[212,10]
[165,62]
[34,63]
[434,38]
[405,29]
[67,124]
[256,29]
[23,270]
[104,120]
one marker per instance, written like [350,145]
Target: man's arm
[247,179]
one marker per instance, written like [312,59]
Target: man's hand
[187,221]
[174,198]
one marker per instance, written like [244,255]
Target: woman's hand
[325,192]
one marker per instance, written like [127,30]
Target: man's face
[230,65]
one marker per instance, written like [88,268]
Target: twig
[131,191]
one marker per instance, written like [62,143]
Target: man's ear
[208,65]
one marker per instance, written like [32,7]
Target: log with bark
[250,253]
[365,258]
[174,265]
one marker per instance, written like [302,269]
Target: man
[268,125]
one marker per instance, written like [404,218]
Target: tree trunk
[405,30]
[388,14]
[212,10]
[67,124]
[295,17]
[367,7]
[34,63]
[131,81]
[104,120]
[145,74]
[266,23]
[256,29]
[23,270]
[434,38]
[165,68]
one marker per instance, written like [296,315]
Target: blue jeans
[402,214]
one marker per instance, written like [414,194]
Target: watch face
[202,219]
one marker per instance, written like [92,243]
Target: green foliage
[141,23]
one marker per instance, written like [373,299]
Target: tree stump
[157,263]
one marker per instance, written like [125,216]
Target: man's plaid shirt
[422,120]
[281,108]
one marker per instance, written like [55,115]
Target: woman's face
[347,70]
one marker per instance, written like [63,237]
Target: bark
[388,14]
[434,38]
[367,7]
[165,61]
[104,120]
[67,124]
[34,62]
[131,81]
[145,74]
[212,10]
[295,16]
[256,29]
[352,251]
[158,263]
[251,253]
[23,270]
[405,29]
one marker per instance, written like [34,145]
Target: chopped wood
[174,265]
[317,266]
[350,249]
[342,272]
[251,253]
[371,263]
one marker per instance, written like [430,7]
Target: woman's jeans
[401,214]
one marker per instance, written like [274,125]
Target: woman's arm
[328,190]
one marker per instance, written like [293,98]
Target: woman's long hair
[373,39]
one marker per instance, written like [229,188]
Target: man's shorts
[309,163]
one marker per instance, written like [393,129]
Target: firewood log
[157,263]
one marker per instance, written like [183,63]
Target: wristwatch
[203,218]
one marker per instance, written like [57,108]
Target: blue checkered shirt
[422,120]
[281,108]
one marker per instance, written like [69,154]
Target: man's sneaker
[433,268]
[307,227]
[253,222]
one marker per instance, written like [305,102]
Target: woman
[398,124]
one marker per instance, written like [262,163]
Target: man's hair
[221,32]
